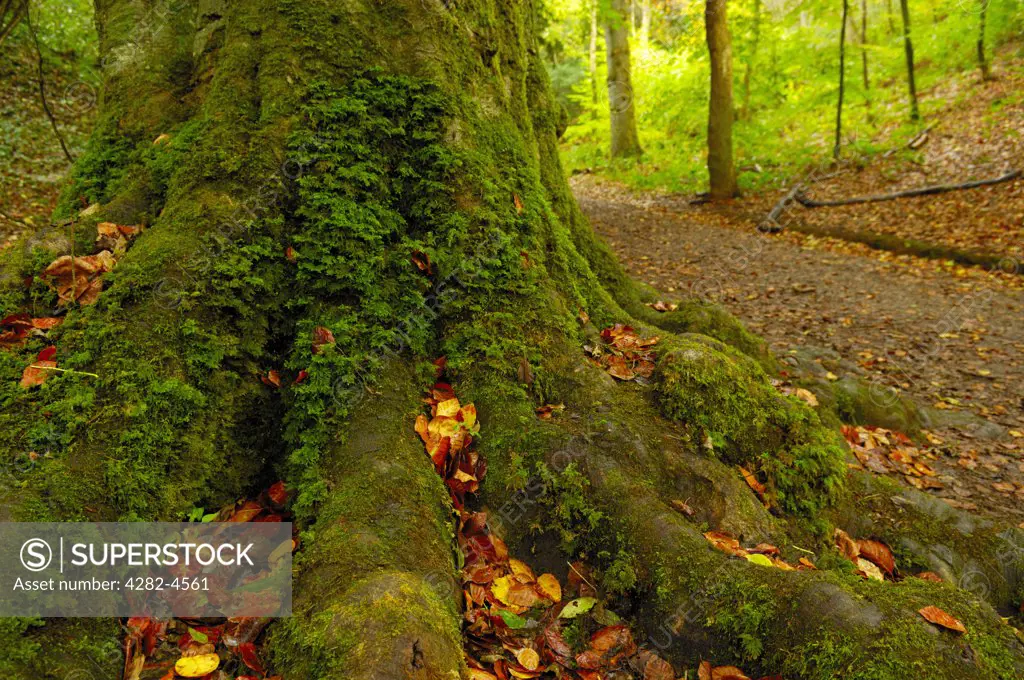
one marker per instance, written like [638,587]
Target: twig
[14,219]
[42,89]
[63,370]
[924,191]
[771,224]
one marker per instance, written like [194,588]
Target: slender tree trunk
[908,49]
[593,50]
[645,24]
[889,14]
[311,150]
[864,53]
[625,140]
[982,58]
[11,14]
[842,83]
[752,61]
[720,111]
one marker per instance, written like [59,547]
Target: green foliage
[785,69]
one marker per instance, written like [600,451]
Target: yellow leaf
[476,674]
[759,559]
[522,569]
[500,588]
[550,587]
[832,376]
[196,666]
[528,658]
[448,408]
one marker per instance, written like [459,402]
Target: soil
[949,336]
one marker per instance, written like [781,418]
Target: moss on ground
[727,397]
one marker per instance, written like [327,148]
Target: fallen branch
[771,223]
[924,191]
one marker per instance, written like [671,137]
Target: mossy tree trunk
[720,112]
[311,148]
[625,139]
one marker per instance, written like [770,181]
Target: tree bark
[720,111]
[11,13]
[864,53]
[625,141]
[908,49]
[311,150]
[593,50]
[837,147]
[982,58]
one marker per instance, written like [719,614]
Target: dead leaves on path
[624,355]
[887,451]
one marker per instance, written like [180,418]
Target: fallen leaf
[546,412]
[550,587]
[528,658]
[36,374]
[683,507]
[941,618]
[518,203]
[657,668]
[879,553]
[869,569]
[581,605]
[247,650]
[728,673]
[322,337]
[752,481]
[196,666]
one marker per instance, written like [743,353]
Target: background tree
[866,80]
[720,113]
[625,139]
[837,147]
[982,59]
[11,13]
[908,51]
[592,51]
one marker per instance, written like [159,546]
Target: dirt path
[950,337]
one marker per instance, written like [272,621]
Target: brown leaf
[546,412]
[930,576]
[36,374]
[941,618]
[848,547]
[728,673]
[657,668]
[683,507]
[518,203]
[752,481]
[879,553]
[704,671]
[422,262]
[322,337]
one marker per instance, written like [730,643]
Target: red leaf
[290,254]
[47,354]
[278,494]
[36,374]
[879,553]
[941,618]
[272,378]
[301,377]
[422,262]
[247,650]
[322,337]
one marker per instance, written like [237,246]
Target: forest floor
[901,312]
[949,336]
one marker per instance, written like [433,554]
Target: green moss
[726,396]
